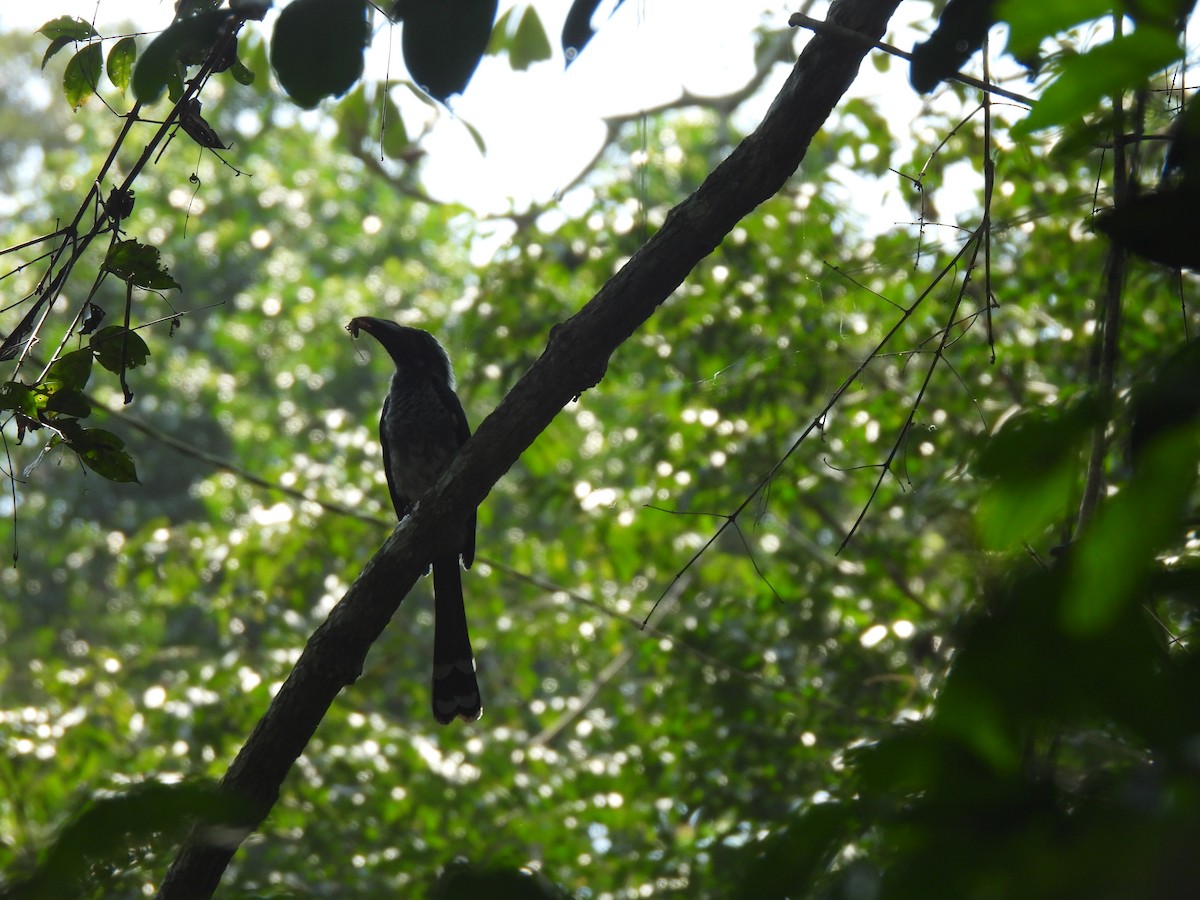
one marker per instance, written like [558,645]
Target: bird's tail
[455,690]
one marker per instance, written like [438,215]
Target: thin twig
[821,27]
[816,423]
[916,404]
[989,182]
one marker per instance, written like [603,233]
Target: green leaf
[116,343]
[500,41]
[1084,80]
[139,265]
[1031,21]
[395,137]
[1112,562]
[1031,463]
[120,62]
[525,42]
[55,45]
[175,84]
[71,371]
[317,48]
[240,73]
[105,827]
[102,452]
[69,402]
[18,398]
[70,27]
[475,136]
[83,75]
[254,56]
[166,57]
[530,44]
[444,40]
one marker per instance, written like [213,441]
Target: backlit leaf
[317,48]
[1086,79]
[530,44]
[444,40]
[120,62]
[63,31]
[115,345]
[139,264]
[71,371]
[83,75]
[184,42]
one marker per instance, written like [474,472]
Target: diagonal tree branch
[575,359]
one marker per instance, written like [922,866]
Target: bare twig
[817,422]
[886,465]
[1102,375]
[823,27]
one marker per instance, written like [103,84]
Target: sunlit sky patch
[543,126]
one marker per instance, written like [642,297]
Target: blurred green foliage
[968,700]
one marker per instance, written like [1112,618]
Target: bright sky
[542,126]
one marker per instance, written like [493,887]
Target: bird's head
[411,349]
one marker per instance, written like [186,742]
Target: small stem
[1106,350]
[821,27]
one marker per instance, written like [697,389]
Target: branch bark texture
[575,359]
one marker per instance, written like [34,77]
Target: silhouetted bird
[421,428]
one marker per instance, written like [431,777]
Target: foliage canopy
[908,513]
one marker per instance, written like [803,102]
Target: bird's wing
[399,501]
[462,431]
[449,399]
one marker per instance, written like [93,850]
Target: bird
[421,427]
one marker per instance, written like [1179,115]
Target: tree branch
[575,359]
